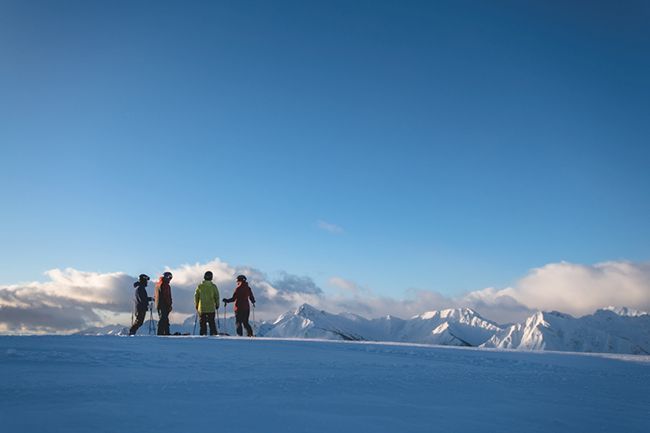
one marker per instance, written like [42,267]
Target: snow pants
[205,320]
[163,323]
[241,318]
[139,320]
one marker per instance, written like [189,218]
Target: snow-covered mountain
[610,330]
[605,331]
[308,322]
[452,327]
[624,311]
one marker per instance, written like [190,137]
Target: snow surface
[228,384]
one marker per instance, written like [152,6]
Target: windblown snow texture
[184,384]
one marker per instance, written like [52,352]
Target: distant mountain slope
[605,332]
[610,330]
[453,327]
[308,322]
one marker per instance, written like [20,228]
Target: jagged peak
[447,313]
[307,310]
[559,314]
[542,318]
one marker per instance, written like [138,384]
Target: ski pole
[254,326]
[225,317]
[195,317]
[150,319]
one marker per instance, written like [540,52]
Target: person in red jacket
[163,298]
[241,296]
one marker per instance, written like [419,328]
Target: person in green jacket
[206,301]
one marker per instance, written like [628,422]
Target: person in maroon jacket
[241,296]
[163,298]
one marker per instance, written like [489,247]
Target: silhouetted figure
[206,302]
[163,297]
[141,303]
[240,297]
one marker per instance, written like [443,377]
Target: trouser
[139,320]
[241,318]
[206,319]
[163,323]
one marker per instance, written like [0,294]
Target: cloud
[70,299]
[496,305]
[294,283]
[345,285]
[328,227]
[580,289]
[576,289]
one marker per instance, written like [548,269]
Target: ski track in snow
[181,384]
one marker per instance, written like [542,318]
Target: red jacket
[163,295]
[242,293]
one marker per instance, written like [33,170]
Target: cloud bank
[71,300]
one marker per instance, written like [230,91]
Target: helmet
[241,277]
[208,276]
[167,275]
[144,277]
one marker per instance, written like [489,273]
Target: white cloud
[71,299]
[329,227]
[345,285]
[581,289]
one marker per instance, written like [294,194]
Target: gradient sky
[446,146]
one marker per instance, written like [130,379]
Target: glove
[225,301]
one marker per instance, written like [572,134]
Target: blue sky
[456,145]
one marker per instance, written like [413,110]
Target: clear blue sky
[457,144]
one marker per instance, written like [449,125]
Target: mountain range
[609,330]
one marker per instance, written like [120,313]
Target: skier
[141,303]
[242,308]
[206,302]
[163,297]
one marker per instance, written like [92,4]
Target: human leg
[213,325]
[139,320]
[202,324]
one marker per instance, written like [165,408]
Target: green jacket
[206,297]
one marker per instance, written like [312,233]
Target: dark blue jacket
[141,297]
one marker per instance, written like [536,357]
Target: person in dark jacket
[141,303]
[241,296]
[163,297]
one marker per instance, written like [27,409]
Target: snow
[605,331]
[181,384]
[624,311]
